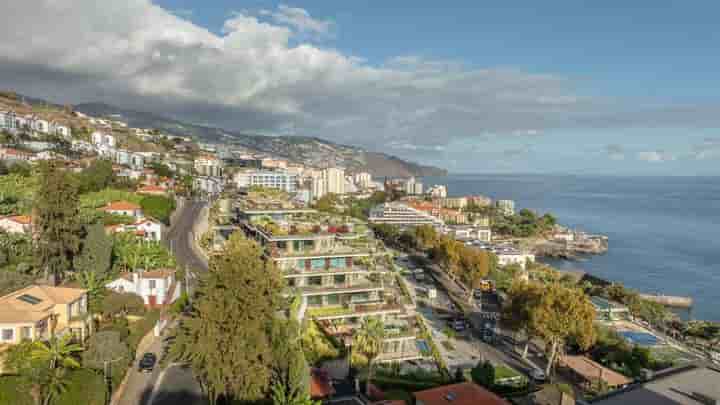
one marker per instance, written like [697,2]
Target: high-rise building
[413,187]
[362,180]
[437,191]
[507,207]
[209,165]
[335,180]
[395,213]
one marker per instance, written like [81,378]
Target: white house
[507,256]
[101,138]
[80,146]
[145,228]
[41,126]
[156,287]
[16,223]
[124,208]
[62,130]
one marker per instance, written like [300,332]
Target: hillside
[307,150]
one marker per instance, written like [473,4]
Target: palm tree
[95,286]
[369,341]
[58,354]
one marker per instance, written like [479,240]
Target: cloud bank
[258,75]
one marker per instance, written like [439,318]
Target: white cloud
[258,76]
[299,19]
[655,156]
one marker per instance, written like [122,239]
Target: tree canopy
[227,339]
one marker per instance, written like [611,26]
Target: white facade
[335,179]
[362,180]
[507,207]
[41,126]
[145,228]
[208,185]
[208,166]
[281,180]
[413,187]
[156,287]
[400,214]
[103,139]
[8,121]
[15,224]
[511,256]
[438,191]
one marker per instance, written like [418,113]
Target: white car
[537,375]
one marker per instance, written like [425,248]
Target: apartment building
[362,180]
[400,214]
[281,179]
[507,207]
[208,166]
[336,267]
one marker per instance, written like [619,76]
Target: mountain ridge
[310,150]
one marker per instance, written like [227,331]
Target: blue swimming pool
[423,346]
[640,338]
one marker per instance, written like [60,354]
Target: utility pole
[107,372]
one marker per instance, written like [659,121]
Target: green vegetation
[524,224]
[227,339]
[142,327]
[131,252]
[439,361]
[57,222]
[17,192]
[83,387]
[368,341]
[158,207]
[316,345]
[616,353]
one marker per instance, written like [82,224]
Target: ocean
[664,232]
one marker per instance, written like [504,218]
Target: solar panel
[29,299]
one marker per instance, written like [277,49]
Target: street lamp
[108,378]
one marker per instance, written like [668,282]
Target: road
[174,384]
[179,237]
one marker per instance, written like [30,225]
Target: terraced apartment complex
[336,268]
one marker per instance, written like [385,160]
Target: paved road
[175,385]
[179,237]
[138,382]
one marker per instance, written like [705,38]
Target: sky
[579,87]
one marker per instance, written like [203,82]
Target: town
[139,267]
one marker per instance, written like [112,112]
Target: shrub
[116,303]
[158,207]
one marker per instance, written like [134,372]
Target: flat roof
[689,385]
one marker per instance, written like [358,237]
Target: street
[174,384]
[179,236]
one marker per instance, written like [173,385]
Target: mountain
[301,149]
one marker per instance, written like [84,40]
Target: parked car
[147,362]
[458,324]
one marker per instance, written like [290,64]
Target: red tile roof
[121,206]
[320,386]
[459,394]
[20,219]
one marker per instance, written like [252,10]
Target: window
[317,280]
[291,282]
[333,299]
[26,332]
[151,284]
[8,334]
[314,301]
[339,279]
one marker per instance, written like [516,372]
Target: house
[60,129]
[49,155]
[690,385]
[156,287]
[39,125]
[39,312]
[14,155]
[466,393]
[152,190]
[592,373]
[101,138]
[16,223]
[124,208]
[145,228]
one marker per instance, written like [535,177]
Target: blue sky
[561,87]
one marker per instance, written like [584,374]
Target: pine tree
[227,340]
[56,221]
[96,253]
[291,373]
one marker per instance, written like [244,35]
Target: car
[147,362]
[537,375]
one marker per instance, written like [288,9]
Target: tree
[227,338]
[43,366]
[523,298]
[94,283]
[475,266]
[447,253]
[291,373]
[368,341]
[483,374]
[115,303]
[56,221]
[107,346]
[158,207]
[98,176]
[426,237]
[563,313]
[96,253]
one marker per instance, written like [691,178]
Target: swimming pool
[640,338]
[423,347]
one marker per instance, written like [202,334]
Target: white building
[438,191]
[156,287]
[145,228]
[124,208]
[281,179]
[41,126]
[103,139]
[8,121]
[335,180]
[413,187]
[208,185]
[208,166]
[469,232]
[395,213]
[507,256]
[362,180]
[60,129]
[507,207]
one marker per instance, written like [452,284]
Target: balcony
[352,310]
